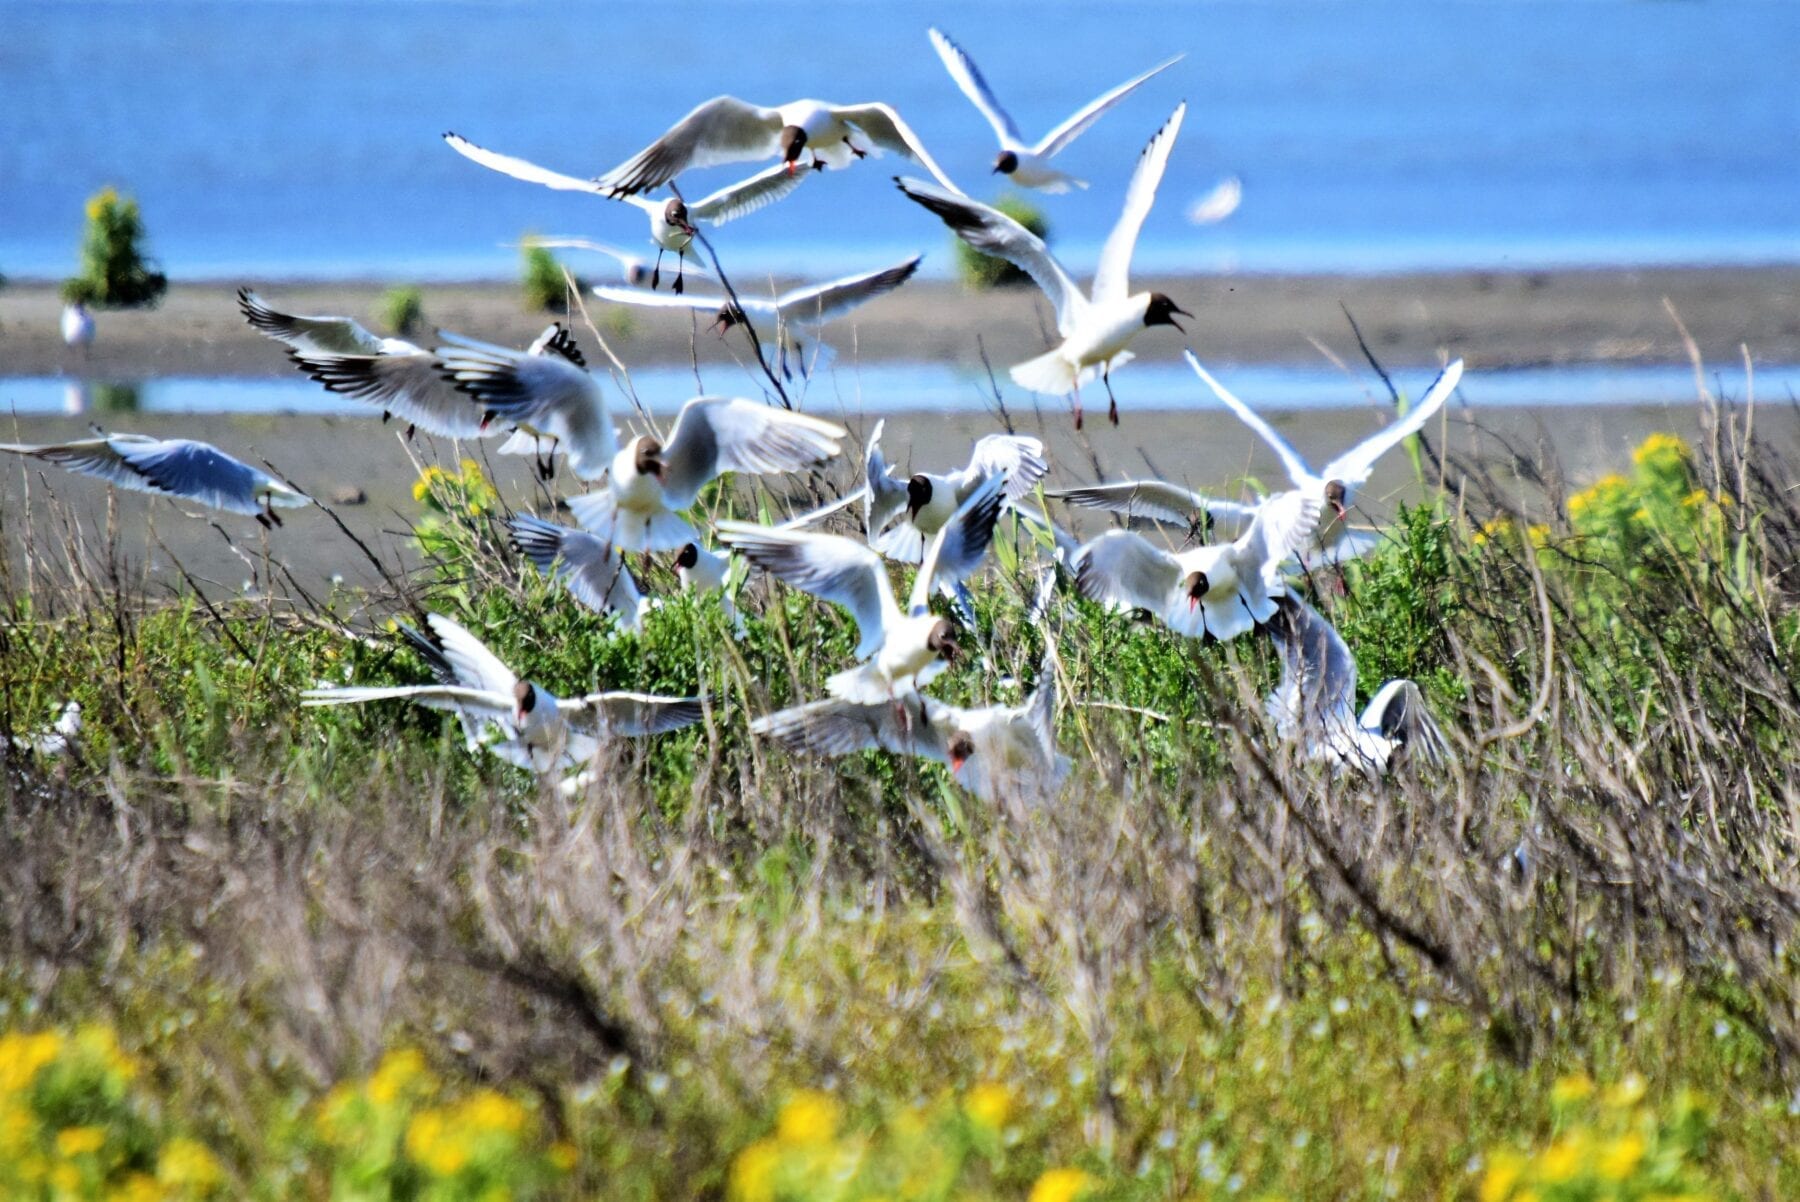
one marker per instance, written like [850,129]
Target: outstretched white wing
[883,126]
[961,545]
[722,130]
[748,195]
[818,303]
[968,77]
[1354,465]
[1059,138]
[829,566]
[519,169]
[1301,475]
[714,435]
[1112,281]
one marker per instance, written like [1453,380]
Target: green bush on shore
[542,280]
[402,310]
[985,271]
[114,272]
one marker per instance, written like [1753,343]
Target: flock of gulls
[639,491]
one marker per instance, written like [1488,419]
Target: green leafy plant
[543,281]
[402,309]
[984,271]
[114,272]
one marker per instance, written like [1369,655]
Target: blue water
[285,139]
[914,387]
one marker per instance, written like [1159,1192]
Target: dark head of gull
[1336,494]
[524,700]
[942,640]
[793,141]
[960,749]
[647,461]
[676,214]
[1161,310]
[687,557]
[1196,585]
[729,315]
[1005,163]
[918,495]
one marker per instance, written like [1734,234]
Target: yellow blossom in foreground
[187,1163]
[79,1141]
[485,1110]
[1503,1172]
[1621,1157]
[1562,1160]
[1573,1088]
[1659,446]
[396,1072]
[989,1104]
[137,1188]
[810,1117]
[753,1172]
[432,1144]
[22,1057]
[1060,1185]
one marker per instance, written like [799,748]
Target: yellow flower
[22,1057]
[753,1172]
[137,1188]
[1562,1160]
[1621,1157]
[65,1179]
[1628,1092]
[431,1143]
[1574,1088]
[485,1110]
[1539,535]
[100,1043]
[1659,447]
[186,1163]
[563,1156]
[396,1072]
[1609,489]
[989,1105]
[1503,1172]
[810,1117]
[428,479]
[1060,1185]
[79,1141]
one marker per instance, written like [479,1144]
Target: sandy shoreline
[1492,319]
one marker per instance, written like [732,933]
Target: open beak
[1175,323]
[1338,506]
[957,761]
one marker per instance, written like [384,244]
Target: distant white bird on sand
[1220,202]
[1219,590]
[995,751]
[592,571]
[900,650]
[77,325]
[1315,699]
[1028,164]
[728,130]
[634,269]
[1095,329]
[536,729]
[807,307]
[1337,481]
[401,378]
[174,467]
[551,398]
[650,481]
[672,220]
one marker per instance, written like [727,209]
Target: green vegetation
[984,271]
[543,281]
[342,958]
[114,272]
[402,310]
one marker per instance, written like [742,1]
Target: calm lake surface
[276,138]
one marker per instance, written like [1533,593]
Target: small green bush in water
[543,282]
[402,309]
[114,272]
[984,271]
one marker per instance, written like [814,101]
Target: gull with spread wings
[173,467]
[900,650]
[672,220]
[804,308]
[728,130]
[1025,163]
[536,729]
[1095,328]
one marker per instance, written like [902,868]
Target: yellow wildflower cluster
[464,491]
[400,1124]
[1610,1148]
[948,1148]
[114,1152]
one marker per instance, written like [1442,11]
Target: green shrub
[984,271]
[543,281]
[114,272]
[402,309]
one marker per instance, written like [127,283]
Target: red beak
[957,761]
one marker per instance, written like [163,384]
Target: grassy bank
[251,950]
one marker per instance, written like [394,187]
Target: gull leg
[679,286]
[656,271]
[1078,406]
[859,153]
[1112,402]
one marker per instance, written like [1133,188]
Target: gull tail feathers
[1049,374]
